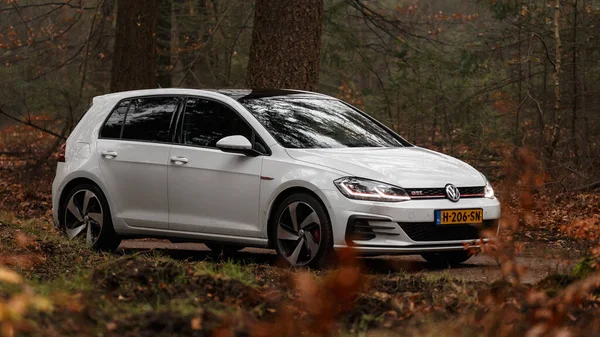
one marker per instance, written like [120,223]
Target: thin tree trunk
[165,25]
[421,105]
[557,101]
[529,76]
[541,120]
[286,44]
[134,60]
[584,113]
[434,126]
[445,113]
[575,91]
[517,140]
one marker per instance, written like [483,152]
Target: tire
[223,248]
[311,245]
[98,235]
[447,259]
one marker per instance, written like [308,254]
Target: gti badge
[452,192]
[416,193]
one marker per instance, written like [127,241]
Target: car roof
[242,94]
[237,94]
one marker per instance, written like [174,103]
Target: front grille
[429,231]
[466,192]
[435,193]
[425,193]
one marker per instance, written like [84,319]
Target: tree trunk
[558,48]
[134,60]
[518,139]
[574,139]
[541,120]
[286,43]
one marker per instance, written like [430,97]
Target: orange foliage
[322,302]
[349,93]
[503,102]
[21,144]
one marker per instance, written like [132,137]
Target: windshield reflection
[317,123]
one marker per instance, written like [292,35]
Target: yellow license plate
[458,216]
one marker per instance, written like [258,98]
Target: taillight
[61,153]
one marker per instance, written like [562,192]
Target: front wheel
[447,259]
[301,231]
[85,215]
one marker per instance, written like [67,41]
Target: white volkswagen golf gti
[300,172]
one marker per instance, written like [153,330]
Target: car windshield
[304,123]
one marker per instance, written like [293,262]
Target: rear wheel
[301,231]
[223,248]
[86,216]
[447,259]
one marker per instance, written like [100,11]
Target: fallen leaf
[9,276]
[196,323]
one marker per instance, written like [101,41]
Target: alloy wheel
[299,233]
[84,214]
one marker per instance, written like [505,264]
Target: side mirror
[237,144]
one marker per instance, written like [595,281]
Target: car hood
[408,167]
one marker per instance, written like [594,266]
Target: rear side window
[206,122]
[149,119]
[114,124]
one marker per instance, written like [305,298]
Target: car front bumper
[405,227]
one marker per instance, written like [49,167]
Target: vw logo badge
[452,192]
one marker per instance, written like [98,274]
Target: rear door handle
[108,154]
[179,160]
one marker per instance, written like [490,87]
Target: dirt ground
[157,288]
[539,259]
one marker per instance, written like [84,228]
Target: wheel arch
[284,194]
[69,186]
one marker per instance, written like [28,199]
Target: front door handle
[179,160]
[109,154]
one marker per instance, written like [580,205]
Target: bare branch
[191,64]
[588,187]
[28,123]
[546,48]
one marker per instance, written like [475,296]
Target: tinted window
[149,118]
[206,122]
[318,123]
[112,128]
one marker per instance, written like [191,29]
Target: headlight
[489,191]
[365,189]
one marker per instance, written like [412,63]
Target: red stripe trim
[443,196]
[427,196]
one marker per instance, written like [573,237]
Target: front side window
[318,123]
[114,124]
[149,119]
[206,122]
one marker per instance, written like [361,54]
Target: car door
[211,191]
[133,150]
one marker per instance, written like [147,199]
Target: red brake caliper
[316,233]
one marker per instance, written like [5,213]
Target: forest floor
[157,288]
